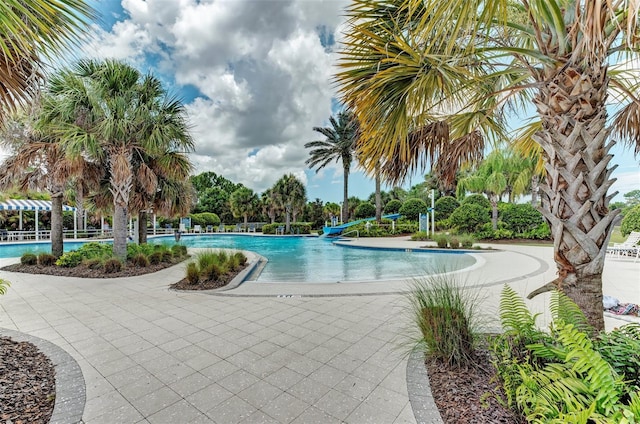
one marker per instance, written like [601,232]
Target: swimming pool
[306,259]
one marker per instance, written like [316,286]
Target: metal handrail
[352,231]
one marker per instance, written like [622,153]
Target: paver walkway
[153,355]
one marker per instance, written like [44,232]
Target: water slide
[334,231]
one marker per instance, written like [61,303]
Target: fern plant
[4,286]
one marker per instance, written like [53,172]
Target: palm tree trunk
[79,206]
[571,104]
[493,198]
[246,221]
[57,236]
[142,227]
[345,195]
[121,182]
[534,190]
[378,195]
[287,219]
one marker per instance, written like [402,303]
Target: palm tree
[269,204]
[244,202]
[290,197]
[113,114]
[410,62]
[31,31]
[339,145]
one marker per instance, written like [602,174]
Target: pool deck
[263,352]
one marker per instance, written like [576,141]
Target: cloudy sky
[256,78]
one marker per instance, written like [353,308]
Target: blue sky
[255,76]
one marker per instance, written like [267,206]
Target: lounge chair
[627,248]
[252,228]
[209,228]
[222,228]
[280,230]
[197,228]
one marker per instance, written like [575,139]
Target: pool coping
[70,385]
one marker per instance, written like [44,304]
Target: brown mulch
[129,270]
[469,396]
[27,383]
[222,281]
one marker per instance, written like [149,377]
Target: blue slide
[334,231]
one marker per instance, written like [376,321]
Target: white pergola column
[154,224]
[37,232]
[101,224]
[75,224]
[20,220]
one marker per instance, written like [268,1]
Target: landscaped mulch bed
[209,284]
[27,383]
[129,270]
[466,396]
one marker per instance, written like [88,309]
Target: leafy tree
[352,205]
[392,206]
[268,204]
[339,145]
[462,64]
[213,192]
[364,210]
[244,202]
[412,208]
[477,199]
[469,217]
[444,207]
[331,210]
[314,213]
[632,198]
[631,221]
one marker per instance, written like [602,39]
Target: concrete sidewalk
[319,353]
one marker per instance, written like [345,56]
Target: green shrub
[420,236]
[95,250]
[167,256]
[193,274]
[412,208]
[4,286]
[520,218]
[93,263]
[46,259]
[28,259]
[443,225]
[296,228]
[468,217]
[442,240]
[631,221]
[466,241]
[205,218]
[364,210]
[242,259]
[444,207]
[541,232]
[392,206]
[445,314]
[212,272]
[70,259]
[134,249]
[477,199]
[179,250]
[156,257]
[454,242]
[140,260]
[112,265]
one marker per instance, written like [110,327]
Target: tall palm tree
[410,61]
[290,196]
[269,204]
[113,114]
[30,32]
[244,202]
[339,145]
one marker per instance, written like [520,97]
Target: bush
[442,240]
[364,210]
[468,217]
[28,259]
[140,260]
[167,256]
[477,199]
[242,259]
[95,250]
[631,221]
[156,257]
[193,274]
[454,243]
[392,206]
[112,265]
[446,315]
[205,218]
[70,259]
[46,259]
[466,241]
[520,218]
[296,227]
[412,208]
[444,207]
[93,263]
[420,236]
[179,250]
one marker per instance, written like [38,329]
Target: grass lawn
[616,236]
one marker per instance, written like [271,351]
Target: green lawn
[616,236]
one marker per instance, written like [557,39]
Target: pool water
[305,259]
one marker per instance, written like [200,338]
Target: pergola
[35,205]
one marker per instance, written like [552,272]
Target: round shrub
[212,272]
[112,265]
[477,199]
[140,260]
[468,217]
[365,210]
[46,259]
[242,259]
[70,259]
[93,263]
[167,256]
[466,241]
[179,250]
[454,243]
[631,221]
[193,275]
[155,258]
[441,240]
[412,208]
[520,218]
[392,206]
[445,206]
[28,259]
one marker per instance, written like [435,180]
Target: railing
[349,232]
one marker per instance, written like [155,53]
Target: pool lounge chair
[252,228]
[222,228]
[197,228]
[209,228]
[627,248]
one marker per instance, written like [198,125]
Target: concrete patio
[262,353]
